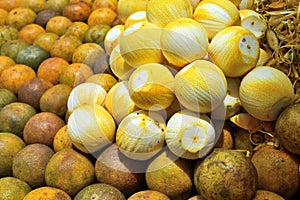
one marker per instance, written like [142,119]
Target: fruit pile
[149,99]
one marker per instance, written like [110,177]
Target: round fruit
[35,5]
[113,4]
[170,175]
[266,195]
[10,145]
[7,33]
[9,5]
[12,48]
[30,163]
[148,194]
[102,16]
[64,47]
[57,5]
[100,191]
[31,91]
[55,99]
[43,17]
[242,141]
[287,128]
[46,40]
[77,29]
[41,128]
[13,189]
[3,15]
[14,116]
[77,11]
[15,76]
[69,171]
[6,97]
[51,68]
[61,139]
[113,168]
[105,80]
[58,25]
[5,62]
[47,193]
[278,170]
[29,32]
[213,175]
[96,33]
[74,74]
[19,17]
[32,56]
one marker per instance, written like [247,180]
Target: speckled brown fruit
[30,163]
[43,17]
[47,193]
[62,139]
[77,11]
[266,195]
[41,128]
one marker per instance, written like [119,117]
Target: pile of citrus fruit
[147,99]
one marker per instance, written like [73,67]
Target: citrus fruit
[32,56]
[3,15]
[115,169]
[7,33]
[164,172]
[31,91]
[277,169]
[64,47]
[35,5]
[213,174]
[12,47]
[47,193]
[5,62]
[46,40]
[148,194]
[10,145]
[30,163]
[287,128]
[77,29]
[6,97]
[55,99]
[70,171]
[102,16]
[43,17]
[266,195]
[13,189]
[58,25]
[51,68]
[15,76]
[100,190]
[41,128]
[61,139]
[113,4]
[96,33]
[74,74]
[105,80]
[77,11]
[29,32]
[14,116]
[9,4]
[57,5]
[19,17]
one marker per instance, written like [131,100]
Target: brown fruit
[170,175]
[278,170]
[70,171]
[197,197]
[12,188]
[225,140]
[113,168]
[19,17]
[77,11]
[31,91]
[58,25]
[30,163]
[225,174]
[10,145]
[41,128]
[55,99]
[266,195]
[148,194]
[44,16]
[62,139]
[242,140]
[29,32]
[47,193]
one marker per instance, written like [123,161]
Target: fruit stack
[149,99]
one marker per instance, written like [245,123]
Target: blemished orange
[19,17]
[51,68]
[3,14]
[5,62]
[29,32]
[46,40]
[47,193]
[102,16]
[58,25]
[8,5]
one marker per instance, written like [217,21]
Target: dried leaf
[246,122]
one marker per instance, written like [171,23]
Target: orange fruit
[3,15]
[8,33]
[35,5]
[12,47]
[51,68]
[57,5]
[62,139]
[12,188]
[41,128]
[29,32]
[47,193]
[77,29]
[64,47]
[113,4]
[58,25]
[55,99]
[102,16]
[77,11]
[45,40]
[44,16]
[5,62]
[8,5]
[89,2]
[105,80]
[75,73]
[148,194]
[19,17]
[15,76]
